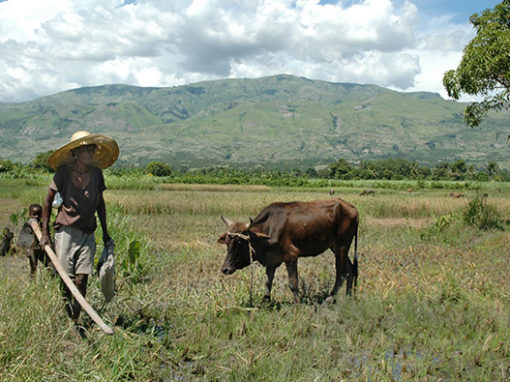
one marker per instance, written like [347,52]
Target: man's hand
[45,240]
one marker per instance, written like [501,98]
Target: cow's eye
[238,243]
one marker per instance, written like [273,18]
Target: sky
[49,46]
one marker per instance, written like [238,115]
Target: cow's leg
[269,282]
[350,274]
[293,278]
[343,270]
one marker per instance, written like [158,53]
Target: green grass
[432,301]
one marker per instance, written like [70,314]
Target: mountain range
[279,121]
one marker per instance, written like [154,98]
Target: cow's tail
[355,262]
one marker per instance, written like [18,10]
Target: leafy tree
[485,66]
[365,173]
[159,169]
[324,173]
[441,171]
[459,166]
[340,169]
[40,161]
[492,168]
[459,169]
[423,172]
[6,165]
[311,172]
[296,173]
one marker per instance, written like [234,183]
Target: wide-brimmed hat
[105,155]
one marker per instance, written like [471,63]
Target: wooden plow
[69,283]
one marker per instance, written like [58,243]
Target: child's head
[35,211]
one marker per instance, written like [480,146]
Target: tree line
[398,169]
[379,169]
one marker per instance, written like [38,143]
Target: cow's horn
[249,224]
[227,222]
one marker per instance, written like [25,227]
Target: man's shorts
[75,250]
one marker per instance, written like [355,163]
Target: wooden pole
[69,283]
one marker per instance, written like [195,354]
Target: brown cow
[283,232]
[456,194]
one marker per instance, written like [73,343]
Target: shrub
[481,215]
[159,169]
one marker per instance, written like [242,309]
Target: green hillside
[279,121]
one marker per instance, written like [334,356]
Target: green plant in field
[482,215]
[447,229]
[128,248]
[132,267]
[450,290]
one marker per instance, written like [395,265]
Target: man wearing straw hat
[79,180]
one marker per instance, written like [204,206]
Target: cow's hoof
[330,300]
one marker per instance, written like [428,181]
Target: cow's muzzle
[227,270]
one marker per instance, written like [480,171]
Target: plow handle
[69,283]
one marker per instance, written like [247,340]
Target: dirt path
[417,223]
[7,208]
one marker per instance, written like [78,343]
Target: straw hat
[106,154]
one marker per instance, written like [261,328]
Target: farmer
[79,180]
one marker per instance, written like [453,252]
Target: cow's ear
[221,239]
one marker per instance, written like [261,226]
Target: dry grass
[212,187]
[399,222]
[187,221]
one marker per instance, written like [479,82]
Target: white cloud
[440,47]
[20,20]
[150,76]
[55,45]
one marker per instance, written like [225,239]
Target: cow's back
[310,226]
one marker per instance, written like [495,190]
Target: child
[33,251]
